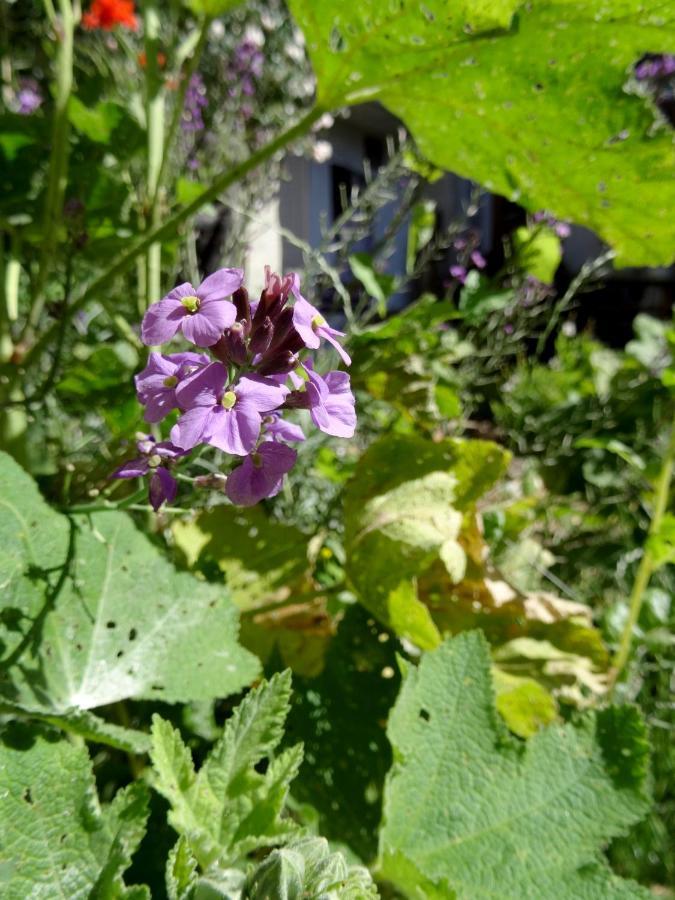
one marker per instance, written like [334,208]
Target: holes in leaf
[539,87]
[27,796]
[132,634]
[111,624]
[156,687]
[119,654]
[427,13]
[425,715]
[336,42]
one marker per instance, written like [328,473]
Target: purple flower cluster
[233,398]
[562,229]
[28,98]
[244,70]
[196,101]
[661,66]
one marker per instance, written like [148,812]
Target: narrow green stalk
[188,71]
[58,163]
[169,228]
[154,109]
[9,309]
[646,567]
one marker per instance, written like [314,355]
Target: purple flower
[562,229]
[202,313]
[154,459]
[329,400]
[459,273]
[281,430]
[261,474]
[228,417]
[478,259]
[28,97]
[156,384]
[195,101]
[661,66]
[311,325]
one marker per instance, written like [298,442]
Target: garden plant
[307,592]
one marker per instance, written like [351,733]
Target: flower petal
[221,284]
[265,394]
[163,486]
[235,430]
[135,468]
[162,321]
[192,427]
[201,329]
[204,388]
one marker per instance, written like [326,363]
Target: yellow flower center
[229,399]
[318,321]
[256,459]
[154,461]
[190,303]
[170,381]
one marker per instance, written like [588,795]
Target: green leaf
[523,703]
[307,868]
[212,7]
[538,252]
[470,812]
[94,613]
[55,839]
[420,231]
[85,724]
[403,511]
[528,99]
[260,559]
[378,286]
[661,543]
[479,298]
[228,809]
[343,778]
[96,123]
[181,871]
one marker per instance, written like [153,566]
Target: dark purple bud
[296,400]
[262,337]
[279,364]
[240,300]
[231,347]
[212,481]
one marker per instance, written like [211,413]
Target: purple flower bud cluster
[655,67]
[469,256]
[196,101]
[28,98]
[233,397]
[562,229]
[243,71]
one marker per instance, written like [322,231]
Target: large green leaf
[403,512]
[528,98]
[228,809]
[93,613]
[471,813]
[56,840]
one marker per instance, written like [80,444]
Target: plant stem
[646,567]
[188,71]
[170,226]
[58,163]
[154,110]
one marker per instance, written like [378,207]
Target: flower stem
[170,226]
[154,110]
[646,567]
[58,163]
[188,71]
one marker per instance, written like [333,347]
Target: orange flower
[107,14]
[143,59]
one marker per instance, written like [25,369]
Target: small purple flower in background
[28,98]
[202,313]
[261,474]
[459,273]
[156,384]
[196,101]
[478,259]
[658,66]
[562,229]
[234,398]
[508,328]
[154,460]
